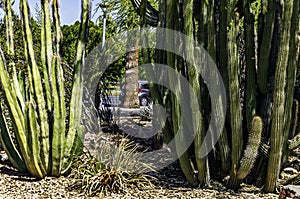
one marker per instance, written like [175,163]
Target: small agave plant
[33,107]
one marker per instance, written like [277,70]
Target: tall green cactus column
[14,155]
[250,64]
[265,51]
[201,162]
[46,51]
[58,119]
[234,94]
[5,138]
[277,127]
[291,77]
[9,28]
[36,96]
[173,61]
[75,132]
[223,56]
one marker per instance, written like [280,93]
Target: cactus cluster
[45,142]
[259,75]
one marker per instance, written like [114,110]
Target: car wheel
[144,101]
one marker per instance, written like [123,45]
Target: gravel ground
[20,185]
[170,183]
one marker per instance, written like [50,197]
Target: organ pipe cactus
[234,95]
[291,79]
[263,84]
[201,162]
[174,61]
[277,127]
[250,65]
[46,143]
[265,51]
[223,140]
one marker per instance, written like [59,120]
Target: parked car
[144,93]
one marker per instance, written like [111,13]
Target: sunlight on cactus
[46,139]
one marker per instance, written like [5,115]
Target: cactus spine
[251,151]
[38,112]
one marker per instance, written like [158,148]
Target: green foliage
[122,13]
[68,48]
[70,34]
[68,51]
[256,9]
[19,56]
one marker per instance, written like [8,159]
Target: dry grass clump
[113,170]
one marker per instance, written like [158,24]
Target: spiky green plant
[112,170]
[36,104]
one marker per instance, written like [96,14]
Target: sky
[70,10]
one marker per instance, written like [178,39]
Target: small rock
[3,157]
[290,191]
[290,170]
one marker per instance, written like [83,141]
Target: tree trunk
[131,76]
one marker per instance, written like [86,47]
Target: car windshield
[144,86]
